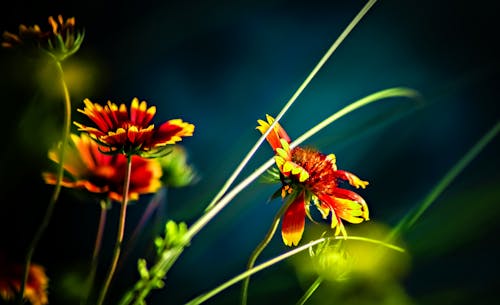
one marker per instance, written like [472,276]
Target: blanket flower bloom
[312,177]
[61,41]
[131,133]
[10,282]
[90,169]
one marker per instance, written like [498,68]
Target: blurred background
[224,64]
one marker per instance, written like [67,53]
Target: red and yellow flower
[11,275]
[312,177]
[61,41]
[131,133]
[90,169]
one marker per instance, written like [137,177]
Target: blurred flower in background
[90,169]
[354,271]
[177,172]
[11,274]
[60,42]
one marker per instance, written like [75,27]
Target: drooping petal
[352,196]
[293,224]
[351,178]
[346,209]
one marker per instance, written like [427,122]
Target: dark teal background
[224,64]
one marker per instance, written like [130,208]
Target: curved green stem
[119,236]
[217,206]
[290,102]
[411,218]
[315,285]
[247,273]
[377,96]
[57,188]
[224,197]
[365,101]
[97,249]
[260,247]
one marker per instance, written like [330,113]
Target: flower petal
[351,178]
[294,221]
[171,132]
[276,135]
[352,196]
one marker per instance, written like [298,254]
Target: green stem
[57,188]
[396,92]
[222,199]
[380,95]
[263,244]
[377,96]
[97,248]
[290,102]
[411,218]
[247,273]
[119,236]
[159,272]
[310,291]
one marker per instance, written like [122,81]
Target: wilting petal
[351,178]
[346,209]
[294,221]
[350,195]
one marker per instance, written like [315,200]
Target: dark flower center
[320,169]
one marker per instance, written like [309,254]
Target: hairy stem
[119,236]
[57,188]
